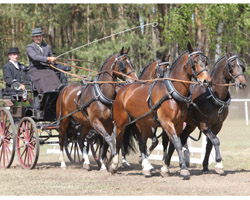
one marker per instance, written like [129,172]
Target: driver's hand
[51,59]
[22,86]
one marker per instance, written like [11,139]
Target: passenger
[14,73]
[40,55]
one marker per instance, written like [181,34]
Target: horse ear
[121,52]
[126,52]
[190,48]
[201,47]
[165,58]
[168,57]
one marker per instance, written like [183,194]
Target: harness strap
[194,139]
[164,98]
[149,99]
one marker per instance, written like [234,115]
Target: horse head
[123,67]
[234,70]
[163,66]
[196,65]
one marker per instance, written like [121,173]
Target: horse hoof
[164,174]
[86,167]
[219,171]
[112,170]
[125,165]
[102,170]
[63,166]
[185,174]
[164,171]
[205,171]
[147,173]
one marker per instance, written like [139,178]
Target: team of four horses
[182,92]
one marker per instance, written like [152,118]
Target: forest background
[67,26]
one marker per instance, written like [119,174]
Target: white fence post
[246,107]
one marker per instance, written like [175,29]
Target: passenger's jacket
[13,76]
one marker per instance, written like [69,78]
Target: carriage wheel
[95,151]
[95,148]
[73,148]
[7,138]
[27,143]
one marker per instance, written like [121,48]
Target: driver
[40,55]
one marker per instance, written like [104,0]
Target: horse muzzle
[241,85]
[205,83]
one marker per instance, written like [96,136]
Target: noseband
[192,65]
[229,67]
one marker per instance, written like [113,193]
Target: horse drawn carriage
[29,119]
[25,126]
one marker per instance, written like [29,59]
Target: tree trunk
[12,30]
[219,41]
[109,10]
[88,33]
[199,35]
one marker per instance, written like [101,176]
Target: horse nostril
[242,86]
[206,83]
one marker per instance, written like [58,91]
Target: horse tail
[130,135]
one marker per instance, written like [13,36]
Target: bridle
[121,64]
[229,67]
[160,71]
[192,64]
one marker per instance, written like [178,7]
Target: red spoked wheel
[7,138]
[27,143]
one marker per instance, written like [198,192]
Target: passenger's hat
[13,50]
[36,31]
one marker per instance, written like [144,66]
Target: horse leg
[170,130]
[119,140]
[62,132]
[124,160]
[209,146]
[147,167]
[155,141]
[98,126]
[103,158]
[184,137]
[86,162]
[214,140]
[165,142]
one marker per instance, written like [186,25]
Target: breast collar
[100,95]
[216,100]
[174,93]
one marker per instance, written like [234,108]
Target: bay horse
[161,103]
[90,104]
[153,70]
[211,107]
